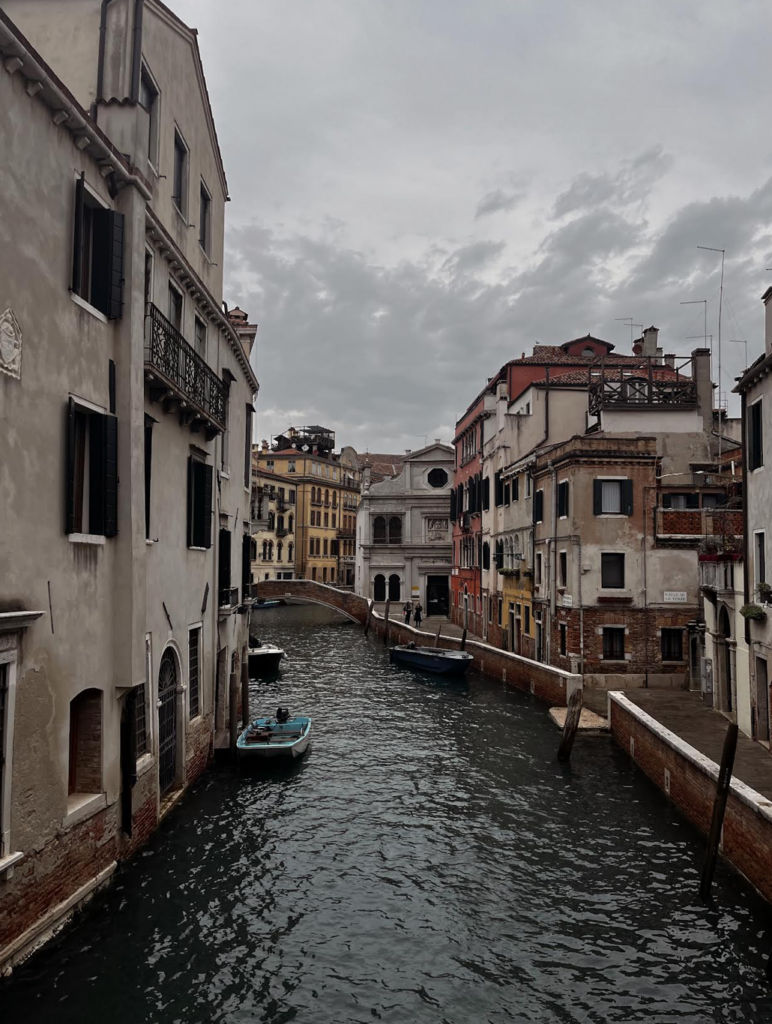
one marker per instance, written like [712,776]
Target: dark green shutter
[115,258]
[77,248]
[107,263]
[96,478]
[191,493]
[69,498]
[225,560]
[538,512]
[627,497]
[597,497]
[207,507]
[486,493]
[110,478]
[246,566]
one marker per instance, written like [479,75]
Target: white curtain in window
[611,495]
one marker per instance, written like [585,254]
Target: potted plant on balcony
[764,592]
[753,611]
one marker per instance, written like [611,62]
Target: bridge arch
[353,606]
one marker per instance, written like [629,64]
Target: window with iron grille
[613,643]
[140,716]
[672,644]
[194,647]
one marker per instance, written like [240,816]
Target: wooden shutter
[191,498]
[246,565]
[224,574]
[516,488]
[627,497]
[69,498]
[597,497]
[110,478]
[107,263]
[149,475]
[563,499]
[538,506]
[486,493]
[96,476]
[453,506]
[206,538]
[486,555]
[111,384]
[77,248]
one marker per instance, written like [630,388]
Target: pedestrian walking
[417,614]
[407,609]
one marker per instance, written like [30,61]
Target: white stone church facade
[404,548]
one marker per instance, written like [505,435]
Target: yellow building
[327,487]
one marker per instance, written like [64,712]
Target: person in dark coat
[417,615]
[407,609]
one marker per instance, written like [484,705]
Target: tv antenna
[710,248]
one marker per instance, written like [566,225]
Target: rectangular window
[527,485]
[140,719]
[246,564]
[612,570]
[563,499]
[680,501]
[194,653]
[672,644]
[563,568]
[97,260]
[500,607]
[148,98]
[224,568]
[761,557]
[148,277]
[290,465]
[516,489]
[180,180]
[200,337]
[527,620]
[175,307]
[204,218]
[538,513]
[248,447]
[507,492]
[755,436]
[613,643]
[225,438]
[538,568]
[612,497]
[199,503]
[91,504]
[563,629]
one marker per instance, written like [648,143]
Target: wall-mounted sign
[568,601]
[675,597]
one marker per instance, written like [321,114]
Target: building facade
[273,526]
[403,530]
[326,486]
[127,394]
[755,389]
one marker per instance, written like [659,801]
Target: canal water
[427,861]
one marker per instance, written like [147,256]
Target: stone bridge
[551,684]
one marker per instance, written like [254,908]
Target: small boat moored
[431,659]
[261,603]
[263,657]
[280,736]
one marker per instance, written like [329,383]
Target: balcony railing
[250,592]
[281,531]
[710,529]
[648,384]
[178,372]
[229,597]
[343,534]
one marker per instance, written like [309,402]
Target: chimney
[366,474]
[649,347]
[264,445]
[701,377]
[437,440]
[670,360]
[245,330]
[765,298]
[408,451]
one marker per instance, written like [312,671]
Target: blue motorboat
[279,736]
[431,659]
[261,604]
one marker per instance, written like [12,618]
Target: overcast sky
[423,188]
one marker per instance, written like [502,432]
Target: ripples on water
[427,861]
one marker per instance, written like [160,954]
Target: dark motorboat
[261,603]
[263,657]
[431,659]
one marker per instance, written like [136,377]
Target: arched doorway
[725,653]
[379,587]
[167,721]
[394,587]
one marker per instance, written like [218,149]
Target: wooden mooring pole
[369,616]
[437,637]
[386,624]
[719,807]
[245,690]
[573,714]
[233,708]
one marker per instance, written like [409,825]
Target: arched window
[324,572]
[379,530]
[325,547]
[290,524]
[588,352]
[271,520]
[279,549]
[334,520]
[290,551]
[334,499]
[313,573]
[327,497]
[253,550]
[395,530]
[507,553]
[394,587]
[379,587]
[265,550]
[486,555]
[270,550]
[86,743]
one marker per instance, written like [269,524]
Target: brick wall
[198,748]
[86,736]
[544,681]
[691,782]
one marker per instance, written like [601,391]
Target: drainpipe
[136,57]
[551,551]
[100,60]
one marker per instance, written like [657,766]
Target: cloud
[473,257]
[497,201]
[631,184]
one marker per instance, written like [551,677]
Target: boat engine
[282,714]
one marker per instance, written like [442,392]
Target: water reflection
[428,860]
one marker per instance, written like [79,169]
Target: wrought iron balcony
[178,376]
[345,534]
[281,531]
[229,597]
